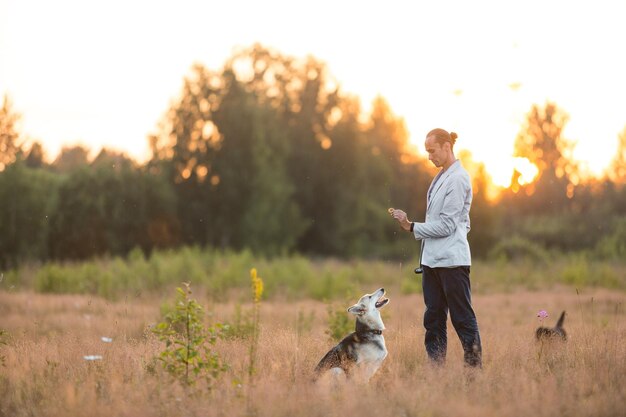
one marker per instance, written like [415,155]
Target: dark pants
[449,289]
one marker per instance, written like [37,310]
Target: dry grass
[45,373]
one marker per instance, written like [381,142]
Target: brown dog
[556,332]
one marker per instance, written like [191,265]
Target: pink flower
[542,314]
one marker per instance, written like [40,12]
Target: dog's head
[366,310]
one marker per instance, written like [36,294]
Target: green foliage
[411,285]
[580,272]
[332,282]
[241,326]
[272,190]
[340,322]
[267,155]
[10,279]
[484,216]
[3,342]
[613,245]
[517,248]
[27,203]
[187,355]
[110,209]
[291,276]
[577,272]
[52,278]
[304,322]
[294,277]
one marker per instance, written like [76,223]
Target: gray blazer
[444,233]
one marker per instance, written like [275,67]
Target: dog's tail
[559,324]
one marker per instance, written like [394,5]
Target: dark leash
[372,331]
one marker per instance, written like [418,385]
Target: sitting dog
[546,333]
[360,354]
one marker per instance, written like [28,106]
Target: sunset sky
[102,73]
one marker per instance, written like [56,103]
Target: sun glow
[527,170]
[503,172]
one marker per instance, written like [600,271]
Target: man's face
[437,153]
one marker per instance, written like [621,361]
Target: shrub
[339,322]
[187,355]
[3,337]
[518,248]
[613,246]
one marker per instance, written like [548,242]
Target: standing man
[446,255]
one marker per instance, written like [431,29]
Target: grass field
[43,371]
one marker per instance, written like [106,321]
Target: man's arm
[454,201]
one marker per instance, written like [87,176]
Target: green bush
[55,278]
[241,326]
[340,322]
[187,355]
[516,263]
[411,285]
[613,246]
[517,248]
[577,272]
[581,272]
[3,341]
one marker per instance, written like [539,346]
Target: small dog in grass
[360,354]
[557,332]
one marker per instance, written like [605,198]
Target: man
[445,251]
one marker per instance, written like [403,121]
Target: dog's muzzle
[381,301]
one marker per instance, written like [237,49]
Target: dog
[556,332]
[360,354]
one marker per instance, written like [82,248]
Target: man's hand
[401,217]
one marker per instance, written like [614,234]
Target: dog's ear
[357,310]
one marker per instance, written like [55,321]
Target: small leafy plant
[340,323]
[240,324]
[188,355]
[3,335]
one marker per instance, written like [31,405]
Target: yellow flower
[257,285]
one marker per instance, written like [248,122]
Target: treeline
[268,154]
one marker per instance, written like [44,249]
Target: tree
[556,211]
[232,133]
[35,156]
[9,135]
[71,158]
[272,221]
[386,178]
[617,169]
[268,154]
[184,151]
[311,110]
[110,209]
[28,199]
[340,218]
[483,214]
[541,141]
[233,164]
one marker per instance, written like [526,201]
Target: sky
[102,73]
